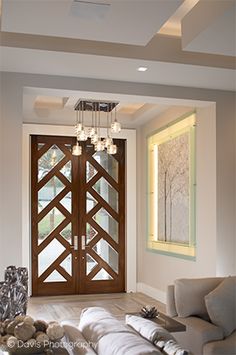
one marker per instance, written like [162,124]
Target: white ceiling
[56,106]
[107,24]
[215,32]
[130,22]
[110,68]
[60,110]
[173,25]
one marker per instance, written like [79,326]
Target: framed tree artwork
[171,189]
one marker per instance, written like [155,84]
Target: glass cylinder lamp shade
[82,136]
[76,149]
[91,132]
[94,138]
[115,127]
[112,149]
[108,141]
[99,147]
[78,128]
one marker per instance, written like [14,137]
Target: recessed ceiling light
[142,69]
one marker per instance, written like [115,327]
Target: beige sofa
[207,307]
[98,332]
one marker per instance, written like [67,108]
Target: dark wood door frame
[78,282]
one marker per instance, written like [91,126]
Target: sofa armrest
[170,301]
[226,346]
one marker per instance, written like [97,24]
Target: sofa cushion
[226,346]
[221,305]
[190,293]
[95,322]
[198,332]
[170,301]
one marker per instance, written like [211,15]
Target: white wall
[10,147]
[216,202]
[1,174]
[226,184]
[11,142]
[168,268]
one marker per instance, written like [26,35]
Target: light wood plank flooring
[61,308]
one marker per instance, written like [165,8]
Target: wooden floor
[61,308]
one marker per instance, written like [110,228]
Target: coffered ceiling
[129,22]
[49,109]
[180,42]
[204,34]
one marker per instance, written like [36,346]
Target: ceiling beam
[161,48]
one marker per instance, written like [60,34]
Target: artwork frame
[171,189]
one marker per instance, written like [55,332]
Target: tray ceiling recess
[128,22]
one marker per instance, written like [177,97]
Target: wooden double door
[78,218]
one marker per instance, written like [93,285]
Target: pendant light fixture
[99,146]
[115,126]
[108,140]
[93,132]
[82,136]
[77,149]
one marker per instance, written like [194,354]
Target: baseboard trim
[152,292]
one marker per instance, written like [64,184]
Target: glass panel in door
[52,220]
[104,249]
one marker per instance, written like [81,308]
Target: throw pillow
[147,329]
[221,305]
[170,347]
[190,293]
[159,336]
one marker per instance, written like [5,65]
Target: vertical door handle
[83,244]
[75,242]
